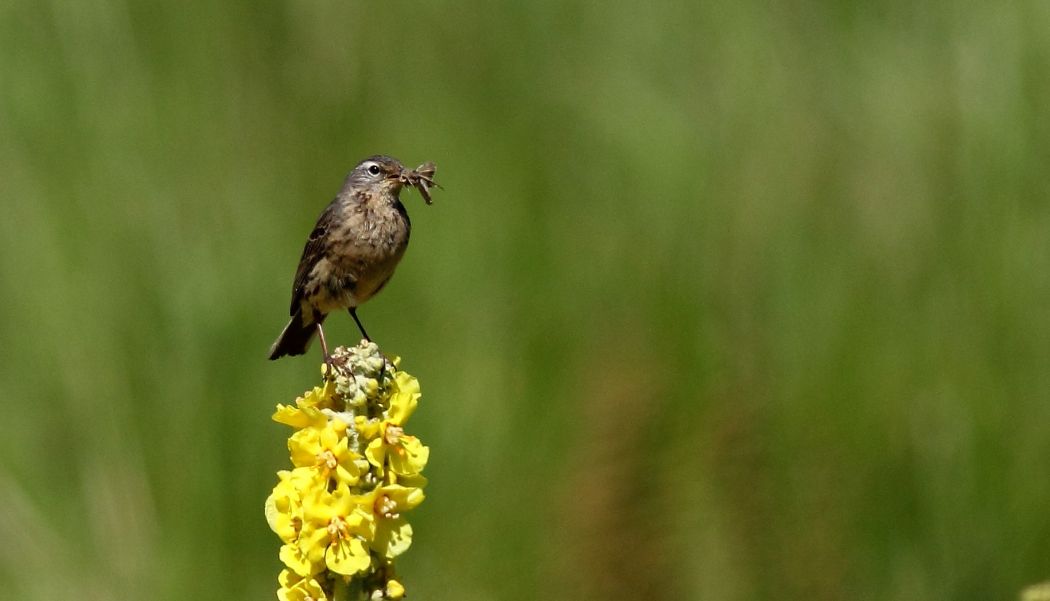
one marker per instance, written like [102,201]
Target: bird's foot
[329,368]
[331,364]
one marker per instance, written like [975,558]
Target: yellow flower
[306,555]
[327,450]
[399,402]
[296,588]
[284,506]
[393,534]
[299,417]
[404,454]
[321,397]
[403,400]
[336,532]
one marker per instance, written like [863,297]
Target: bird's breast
[364,251]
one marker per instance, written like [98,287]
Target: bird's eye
[373,169]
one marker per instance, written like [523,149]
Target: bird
[352,252]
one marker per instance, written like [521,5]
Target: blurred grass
[720,301]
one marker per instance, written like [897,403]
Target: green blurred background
[722,300]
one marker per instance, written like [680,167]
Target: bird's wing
[316,246]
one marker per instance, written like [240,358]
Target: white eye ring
[373,169]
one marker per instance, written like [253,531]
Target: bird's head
[378,174]
[383,174]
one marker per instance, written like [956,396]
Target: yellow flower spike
[341,511]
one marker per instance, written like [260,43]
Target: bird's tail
[296,336]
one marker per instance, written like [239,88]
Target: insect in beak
[422,179]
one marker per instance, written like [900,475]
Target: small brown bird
[352,252]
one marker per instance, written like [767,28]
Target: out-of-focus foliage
[720,300]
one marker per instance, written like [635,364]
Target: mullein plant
[340,509]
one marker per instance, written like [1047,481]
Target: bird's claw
[329,367]
[332,362]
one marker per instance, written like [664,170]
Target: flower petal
[297,588]
[348,557]
[393,537]
[408,457]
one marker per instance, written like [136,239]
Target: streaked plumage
[353,250]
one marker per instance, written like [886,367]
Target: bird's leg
[353,313]
[324,351]
[324,345]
